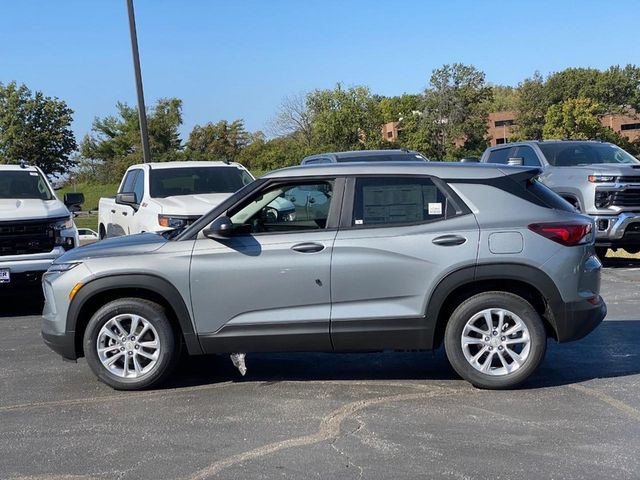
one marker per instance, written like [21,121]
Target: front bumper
[577,319]
[63,344]
[618,230]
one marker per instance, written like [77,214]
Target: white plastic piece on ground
[238,361]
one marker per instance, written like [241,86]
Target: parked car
[486,260]
[365,156]
[598,178]
[87,236]
[163,196]
[35,227]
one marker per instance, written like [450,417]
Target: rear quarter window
[548,197]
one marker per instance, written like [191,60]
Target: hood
[191,204]
[617,169]
[118,246]
[31,209]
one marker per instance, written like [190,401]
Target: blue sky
[238,59]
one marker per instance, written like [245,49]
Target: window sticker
[435,208]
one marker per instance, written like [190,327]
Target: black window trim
[459,208]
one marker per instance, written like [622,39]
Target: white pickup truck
[163,196]
[35,227]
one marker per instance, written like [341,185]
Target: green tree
[114,142]
[456,109]
[35,128]
[263,155]
[345,119]
[394,109]
[578,118]
[531,107]
[217,141]
[505,98]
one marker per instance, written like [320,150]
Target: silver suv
[598,178]
[403,256]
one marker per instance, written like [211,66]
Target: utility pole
[142,114]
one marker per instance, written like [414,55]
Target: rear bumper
[578,319]
[63,345]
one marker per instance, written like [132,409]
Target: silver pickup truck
[598,178]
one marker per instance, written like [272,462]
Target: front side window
[400,200]
[290,207]
[23,184]
[129,181]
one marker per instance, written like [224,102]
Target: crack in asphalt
[342,452]
[329,428]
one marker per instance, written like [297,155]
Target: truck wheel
[601,252]
[631,251]
[130,344]
[495,340]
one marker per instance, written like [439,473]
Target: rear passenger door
[399,236]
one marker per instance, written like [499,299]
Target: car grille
[626,198]
[628,179]
[20,238]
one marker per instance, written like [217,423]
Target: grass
[92,193]
[87,221]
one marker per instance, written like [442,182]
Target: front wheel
[130,344]
[495,340]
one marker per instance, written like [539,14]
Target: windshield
[384,157]
[24,184]
[569,154]
[168,182]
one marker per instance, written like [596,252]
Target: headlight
[62,267]
[64,224]
[601,178]
[603,199]
[289,216]
[172,222]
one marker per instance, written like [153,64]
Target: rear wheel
[495,340]
[130,344]
[632,250]
[601,252]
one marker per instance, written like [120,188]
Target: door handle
[449,240]
[113,211]
[309,247]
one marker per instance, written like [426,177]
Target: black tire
[154,314]
[498,300]
[601,252]
[103,232]
[632,251]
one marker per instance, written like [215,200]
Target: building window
[630,126]
[500,141]
[503,123]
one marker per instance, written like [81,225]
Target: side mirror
[73,199]
[220,229]
[470,160]
[516,161]
[128,198]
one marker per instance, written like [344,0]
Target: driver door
[267,286]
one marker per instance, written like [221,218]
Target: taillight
[567,234]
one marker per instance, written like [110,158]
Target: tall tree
[456,107]
[217,141]
[294,119]
[114,141]
[35,128]
[345,119]
[578,118]
[531,107]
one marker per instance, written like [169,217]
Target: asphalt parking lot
[391,415]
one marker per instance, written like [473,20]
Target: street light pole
[142,114]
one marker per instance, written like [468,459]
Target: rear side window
[547,196]
[499,156]
[397,200]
